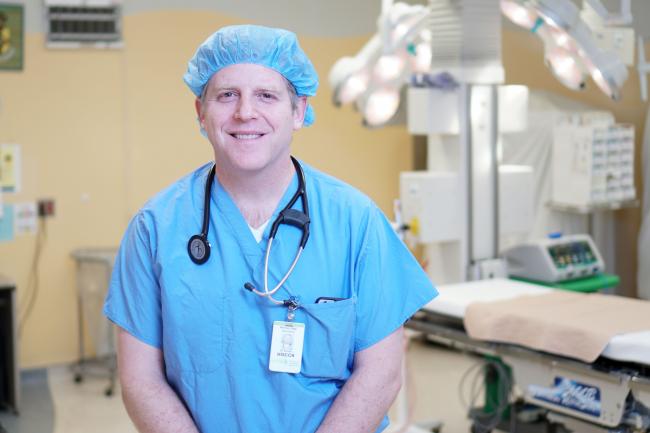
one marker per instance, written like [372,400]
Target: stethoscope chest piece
[198,248]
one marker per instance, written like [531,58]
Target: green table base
[584,285]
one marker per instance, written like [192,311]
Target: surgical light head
[276,49]
[373,77]
[571,51]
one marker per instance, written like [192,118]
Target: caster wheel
[108,392]
[78,378]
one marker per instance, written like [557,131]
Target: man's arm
[151,403]
[366,397]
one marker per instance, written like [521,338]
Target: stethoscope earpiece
[198,248]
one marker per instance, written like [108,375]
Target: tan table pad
[571,324]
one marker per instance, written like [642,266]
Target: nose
[245,109]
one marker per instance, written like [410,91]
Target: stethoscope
[198,246]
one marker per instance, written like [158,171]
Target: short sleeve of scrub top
[133,303]
[390,284]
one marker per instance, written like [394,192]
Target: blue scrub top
[216,336]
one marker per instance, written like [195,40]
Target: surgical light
[566,68]
[405,48]
[372,78]
[562,39]
[354,86]
[400,30]
[349,77]
[380,106]
[561,14]
[426,35]
[389,67]
[601,81]
[518,14]
[608,72]
[570,48]
[422,59]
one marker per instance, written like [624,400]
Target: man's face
[247,115]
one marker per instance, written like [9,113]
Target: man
[198,349]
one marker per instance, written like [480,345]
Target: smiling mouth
[246,136]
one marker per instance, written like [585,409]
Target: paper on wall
[26,218]
[10,167]
[7,223]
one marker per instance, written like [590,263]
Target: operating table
[611,394]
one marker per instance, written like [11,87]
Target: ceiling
[323,18]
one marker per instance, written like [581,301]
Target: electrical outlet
[45,207]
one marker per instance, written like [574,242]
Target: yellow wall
[65,109]
[118,126]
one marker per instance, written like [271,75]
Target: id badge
[286,347]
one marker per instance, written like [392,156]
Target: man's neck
[257,194]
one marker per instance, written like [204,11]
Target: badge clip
[292,304]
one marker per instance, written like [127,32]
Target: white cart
[94,269]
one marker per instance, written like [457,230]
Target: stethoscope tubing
[269,293]
[206,202]
[287,215]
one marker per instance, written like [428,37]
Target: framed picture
[12,36]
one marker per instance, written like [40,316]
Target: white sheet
[454,299]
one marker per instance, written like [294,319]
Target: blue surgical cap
[276,49]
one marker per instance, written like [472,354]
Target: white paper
[25,218]
[10,167]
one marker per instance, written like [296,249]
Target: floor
[53,403]
[37,414]
[434,375]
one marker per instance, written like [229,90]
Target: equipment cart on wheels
[93,273]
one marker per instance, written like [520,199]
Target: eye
[267,96]
[226,95]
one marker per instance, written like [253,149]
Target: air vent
[82,25]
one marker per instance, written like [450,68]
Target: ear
[199,110]
[299,112]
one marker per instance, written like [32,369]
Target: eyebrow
[256,89]
[265,89]
[224,88]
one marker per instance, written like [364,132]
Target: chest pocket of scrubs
[329,339]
